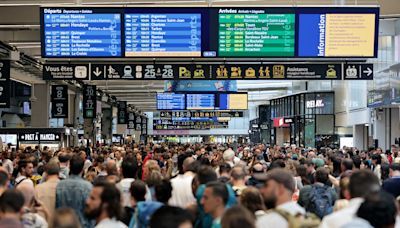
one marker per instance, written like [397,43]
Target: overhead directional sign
[66,72]
[122,112]
[4,84]
[183,114]
[190,71]
[358,71]
[89,101]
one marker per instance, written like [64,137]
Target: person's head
[228,155]
[163,191]
[379,209]
[65,218]
[82,154]
[238,173]
[171,217]
[385,169]
[28,191]
[138,191]
[252,199]
[238,217]
[394,170]
[181,159]
[149,167]
[63,157]
[362,183]
[376,159]
[215,198]
[346,164]
[76,165]
[278,188]
[129,168]
[225,169]
[310,166]
[104,201]
[186,166]
[356,161]
[25,167]
[322,175]
[4,178]
[11,202]
[206,174]
[52,168]
[117,154]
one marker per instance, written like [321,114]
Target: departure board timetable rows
[256,34]
[82,35]
[209,32]
[163,35]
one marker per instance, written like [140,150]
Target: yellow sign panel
[350,35]
[237,101]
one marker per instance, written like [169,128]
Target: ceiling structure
[20,28]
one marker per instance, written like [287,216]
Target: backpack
[143,213]
[321,201]
[308,220]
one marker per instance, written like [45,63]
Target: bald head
[186,163]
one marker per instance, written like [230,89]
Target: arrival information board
[256,34]
[81,33]
[153,35]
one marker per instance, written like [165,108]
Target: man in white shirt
[277,193]
[104,205]
[182,195]
[129,169]
[25,170]
[362,183]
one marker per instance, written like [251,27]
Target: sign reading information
[89,101]
[4,84]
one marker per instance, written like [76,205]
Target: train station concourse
[199,113]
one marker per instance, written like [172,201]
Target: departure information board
[154,35]
[209,32]
[170,101]
[256,34]
[81,33]
[200,101]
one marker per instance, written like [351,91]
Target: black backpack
[321,201]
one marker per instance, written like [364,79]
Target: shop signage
[315,104]
[280,122]
[66,71]
[37,137]
[169,115]
[288,120]
[358,71]
[131,120]
[4,84]
[59,101]
[122,112]
[89,101]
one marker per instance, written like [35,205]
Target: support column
[106,123]
[41,106]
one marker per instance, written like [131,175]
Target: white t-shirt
[182,195]
[274,219]
[124,185]
[107,223]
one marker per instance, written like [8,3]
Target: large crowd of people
[200,185]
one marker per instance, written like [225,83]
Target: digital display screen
[81,33]
[200,101]
[176,35]
[233,101]
[170,101]
[256,34]
[210,32]
[337,35]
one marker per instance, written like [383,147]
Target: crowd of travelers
[202,185]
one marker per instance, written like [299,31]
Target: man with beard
[104,205]
[277,193]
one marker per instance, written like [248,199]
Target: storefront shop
[303,119]
[53,138]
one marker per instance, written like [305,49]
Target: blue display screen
[81,33]
[174,34]
[170,101]
[200,101]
